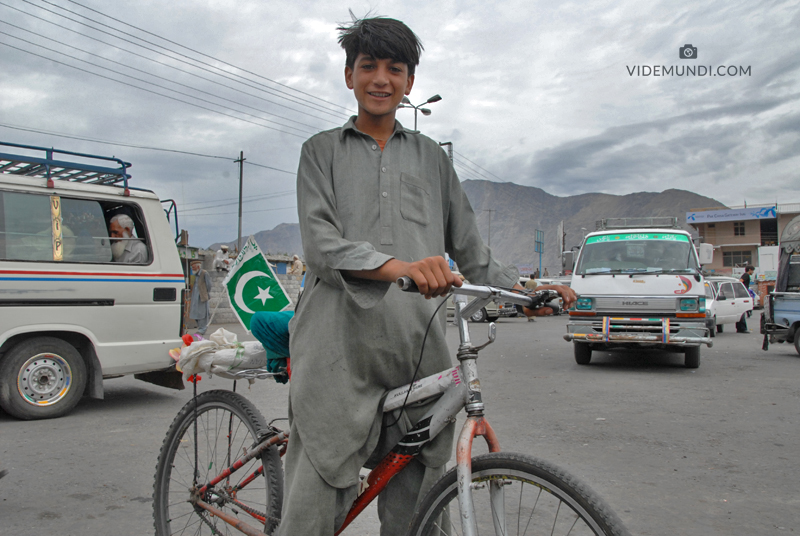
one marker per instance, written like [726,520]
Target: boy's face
[378,84]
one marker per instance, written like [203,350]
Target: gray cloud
[536,94]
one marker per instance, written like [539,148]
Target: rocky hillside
[517,211]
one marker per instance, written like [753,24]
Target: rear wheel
[797,342]
[226,424]
[720,328]
[516,494]
[583,353]
[692,357]
[712,332]
[41,378]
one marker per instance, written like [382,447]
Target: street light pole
[405,103]
[489,238]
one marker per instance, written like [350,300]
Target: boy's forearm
[388,271]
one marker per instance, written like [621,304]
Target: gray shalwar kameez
[199,309]
[352,340]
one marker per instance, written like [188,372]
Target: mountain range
[509,214]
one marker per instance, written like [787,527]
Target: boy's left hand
[568,298]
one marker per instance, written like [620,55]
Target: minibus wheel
[41,378]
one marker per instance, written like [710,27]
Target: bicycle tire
[220,414]
[535,496]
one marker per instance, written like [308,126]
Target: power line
[244,212]
[267,89]
[470,174]
[154,92]
[132,146]
[163,87]
[94,39]
[251,199]
[476,165]
[206,55]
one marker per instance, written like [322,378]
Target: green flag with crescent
[252,285]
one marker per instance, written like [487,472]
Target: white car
[727,301]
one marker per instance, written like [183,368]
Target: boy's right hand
[432,275]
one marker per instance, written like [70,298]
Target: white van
[70,314]
[639,286]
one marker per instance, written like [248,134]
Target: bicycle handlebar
[535,300]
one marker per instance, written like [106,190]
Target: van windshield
[637,253]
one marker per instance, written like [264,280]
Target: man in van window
[129,250]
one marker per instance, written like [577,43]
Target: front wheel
[583,353]
[797,341]
[41,378]
[691,358]
[516,494]
[226,423]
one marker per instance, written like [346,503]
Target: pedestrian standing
[199,308]
[741,325]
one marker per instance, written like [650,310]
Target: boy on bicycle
[376,202]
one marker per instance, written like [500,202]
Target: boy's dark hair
[381,38]
[749,267]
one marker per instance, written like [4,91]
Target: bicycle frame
[458,387]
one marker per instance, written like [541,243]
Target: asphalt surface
[711,451]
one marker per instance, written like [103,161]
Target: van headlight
[584,304]
[689,304]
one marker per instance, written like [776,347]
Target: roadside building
[742,236]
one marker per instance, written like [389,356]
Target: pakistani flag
[252,285]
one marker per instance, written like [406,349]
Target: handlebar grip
[407,284]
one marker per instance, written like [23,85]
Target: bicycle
[203,485]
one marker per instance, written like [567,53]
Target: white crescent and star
[262,295]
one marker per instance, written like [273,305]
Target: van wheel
[41,378]
[692,357]
[720,328]
[797,341]
[713,332]
[583,353]
[480,316]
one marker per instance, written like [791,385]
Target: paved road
[711,451]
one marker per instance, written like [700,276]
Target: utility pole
[490,210]
[241,168]
[449,148]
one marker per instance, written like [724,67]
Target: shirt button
[383,169]
[385,194]
[374,147]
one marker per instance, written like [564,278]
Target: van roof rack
[637,223]
[47,166]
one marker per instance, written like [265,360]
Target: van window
[85,231]
[60,229]
[637,252]
[26,228]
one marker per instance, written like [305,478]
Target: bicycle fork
[475,425]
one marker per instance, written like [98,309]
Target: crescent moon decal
[237,296]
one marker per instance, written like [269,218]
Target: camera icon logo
[687,52]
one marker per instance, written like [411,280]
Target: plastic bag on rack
[222,354]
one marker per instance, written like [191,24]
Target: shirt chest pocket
[414,200]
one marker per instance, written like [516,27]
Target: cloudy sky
[546,94]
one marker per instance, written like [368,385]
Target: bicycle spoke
[533,509]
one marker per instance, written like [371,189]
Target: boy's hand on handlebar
[568,298]
[432,276]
